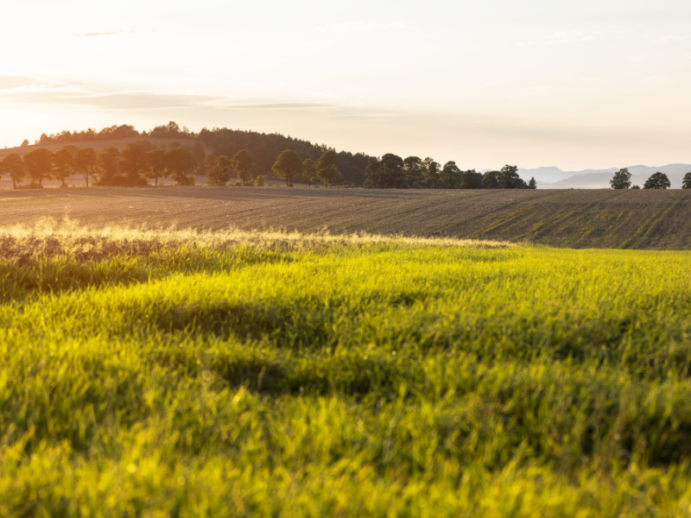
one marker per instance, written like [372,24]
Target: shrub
[261,181]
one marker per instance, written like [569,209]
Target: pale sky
[574,83]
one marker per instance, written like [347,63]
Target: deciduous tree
[491,180]
[38,164]
[181,164]
[451,175]
[156,160]
[134,163]
[430,173]
[471,179]
[309,171]
[412,171]
[288,165]
[657,181]
[327,168]
[13,165]
[243,163]
[621,179]
[63,165]
[373,178]
[85,160]
[107,166]
[217,170]
[686,182]
[509,179]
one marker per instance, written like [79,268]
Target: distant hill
[264,147]
[555,178]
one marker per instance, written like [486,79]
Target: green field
[248,374]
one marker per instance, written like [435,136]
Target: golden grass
[69,238]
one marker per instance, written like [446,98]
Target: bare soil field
[655,220]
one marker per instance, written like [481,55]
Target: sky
[573,84]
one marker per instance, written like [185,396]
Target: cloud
[572,37]
[105,33]
[353,27]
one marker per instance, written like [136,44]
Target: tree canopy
[621,179]
[657,181]
[327,167]
[85,163]
[288,165]
[243,162]
[182,165]
[38,165]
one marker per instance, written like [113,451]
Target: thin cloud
[668,40]
[572,37]
[353,27]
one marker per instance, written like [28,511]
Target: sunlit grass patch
[278,374]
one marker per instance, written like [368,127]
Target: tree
[372,171]
[508,178]
[532,184]
[451,175]
[107,166]
[38,165]
[288,165]
[217,172]
[471,180]
[13,165]
[156,161]
[490,180]
[243,163]
[686,182]
[412,171]
[327,168]
[25,143]
[309,171]
[430,173]
[621,179]
[636,187]
[261,181]
[391,171]
[657,181]
[134,163]
[85,163]
[181,164]
[63,165]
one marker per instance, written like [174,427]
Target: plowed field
[577,219]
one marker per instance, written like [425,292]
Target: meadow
[176,373]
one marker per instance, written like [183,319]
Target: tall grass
[316,375]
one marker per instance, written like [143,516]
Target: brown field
[579,219]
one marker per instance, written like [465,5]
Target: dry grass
[69,238]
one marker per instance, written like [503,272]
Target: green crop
[381,378]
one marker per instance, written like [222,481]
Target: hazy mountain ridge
[555,178]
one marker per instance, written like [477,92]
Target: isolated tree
[621,179]
[63,165]
[288,165]
[25,143]
[85,160]
[471,179]
[412,171]
[13,166]
[327,168]
[430,173]
[134,163]
[686,182]
[532,184]
[657,181]
[181,164]
[107,166]
[156,162]
[309,171]
[217,170]
[491,180]
[38,164]
[451,175]
[243,163]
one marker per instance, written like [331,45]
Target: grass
[243,374]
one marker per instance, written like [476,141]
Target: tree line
[622,180]
[132,166]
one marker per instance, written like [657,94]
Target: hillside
[655,220]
